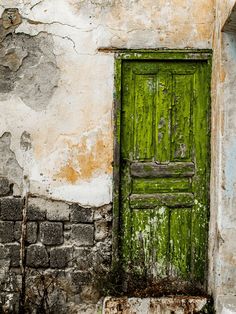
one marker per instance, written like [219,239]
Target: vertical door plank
[180,243]
[145,89]
[163,108]
[181,117]
[150,241]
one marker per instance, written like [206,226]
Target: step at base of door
[226,304]
[164,305]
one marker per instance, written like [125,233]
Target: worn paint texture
[165,114]
[56,140]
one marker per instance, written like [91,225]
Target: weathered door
[165,169]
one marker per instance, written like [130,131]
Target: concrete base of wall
[226,305]
[165,305]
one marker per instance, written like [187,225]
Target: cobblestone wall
[56,263]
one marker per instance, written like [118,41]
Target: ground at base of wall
[165,305]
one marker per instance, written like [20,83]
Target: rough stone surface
[80,214]
[4,186]
[101,230]
[83,258]
[61,257]
[80,279]
[82,234]
[10,302]
[6,231]
[180,305]
[51,233]
[17,230]
[103,213]
[14,254]
[37,256]
[58,211]
[36,209]
[4,253]
[31,232]
[9,166]
[11,208]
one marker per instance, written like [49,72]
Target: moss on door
[164,168]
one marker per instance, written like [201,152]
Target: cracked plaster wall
[223,231]
[57,97]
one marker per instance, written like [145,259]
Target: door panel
[165,168]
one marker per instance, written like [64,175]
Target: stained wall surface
[223,191]
[56,128]
[56,107]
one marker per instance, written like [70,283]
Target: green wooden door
[165,169]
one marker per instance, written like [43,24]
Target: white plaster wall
[72,138]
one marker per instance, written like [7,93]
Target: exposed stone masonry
[65,247]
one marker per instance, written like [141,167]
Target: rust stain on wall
[222,75]
[68,173]
[87,159]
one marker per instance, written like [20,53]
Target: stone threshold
[226,304]
[163,305]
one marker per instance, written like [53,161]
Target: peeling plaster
[28,69]
[69,119]
[56,99]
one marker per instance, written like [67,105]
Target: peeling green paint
[163,131]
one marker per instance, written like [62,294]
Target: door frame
[141,54]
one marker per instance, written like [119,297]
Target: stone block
[37,256]
[36,209]
[6,231]
[82,234]
[60,257]
[102,252]
[103,213]
[83,258]
[14,254]
[31,232]
[4,186]
[4,253]
[101,230]
[17,230]
[79,279]
[58,211]
[80,214]
[11,208]
[9,302]
[51,233]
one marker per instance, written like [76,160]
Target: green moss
[164,118]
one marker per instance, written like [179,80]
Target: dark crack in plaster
[25,141]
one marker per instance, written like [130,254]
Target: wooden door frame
[142,54]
